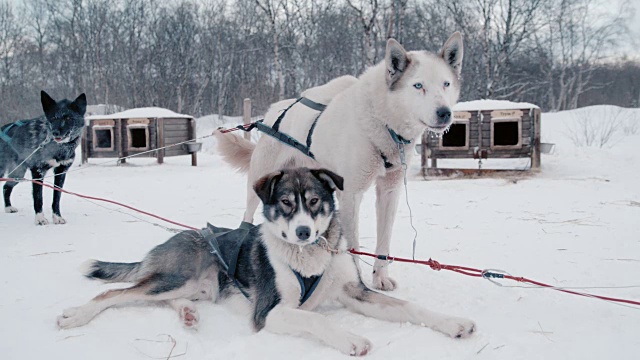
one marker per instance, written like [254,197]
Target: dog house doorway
[103,136]
[457,137]
[138,134]
[506,130]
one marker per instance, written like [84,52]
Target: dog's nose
[303,232]
[444,115]
[55,133]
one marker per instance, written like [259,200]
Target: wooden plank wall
[176,131]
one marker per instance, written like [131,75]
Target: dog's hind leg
[187,311]
[37,173]
[357,297]
[8,188]
[60,175]
[157,287]
[288,321]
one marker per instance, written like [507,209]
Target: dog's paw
[73,317]
[58,219]
[40,219]
[456,327]
[10,209]
[355,345]
[382,281]
[189,316]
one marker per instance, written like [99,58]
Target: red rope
[482,274]
[244,127]
[433,264]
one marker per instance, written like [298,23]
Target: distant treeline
[204,56]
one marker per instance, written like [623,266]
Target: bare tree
[271,10]
[367,14]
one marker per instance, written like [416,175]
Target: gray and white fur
[301,233]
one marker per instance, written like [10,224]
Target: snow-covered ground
[577,223]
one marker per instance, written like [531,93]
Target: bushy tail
[112,272]
[235,150]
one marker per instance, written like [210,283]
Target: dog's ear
[265,185]
[49,105]
[452,52]
[329,178]
[79,105]
[396,60]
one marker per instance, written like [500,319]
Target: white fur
[10,209]
[352,132]
[58,219]
[339,273]
[41,220]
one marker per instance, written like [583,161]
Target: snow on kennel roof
[146,112]
[476,105]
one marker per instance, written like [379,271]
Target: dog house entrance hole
[138,137]
[103,138]
[506,133]
[456,136]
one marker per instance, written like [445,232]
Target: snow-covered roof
[476,105]
[146,112]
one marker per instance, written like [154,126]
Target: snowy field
[576,223]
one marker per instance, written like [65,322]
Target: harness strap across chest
[228,258]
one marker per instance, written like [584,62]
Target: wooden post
[246,116]
[424,159]
[535,155]
[192,135]
[160,140]
[83,144]
[119,141]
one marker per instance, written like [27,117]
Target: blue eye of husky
[417,86]
[446,84]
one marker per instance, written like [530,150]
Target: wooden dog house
[486,129]
[137,131]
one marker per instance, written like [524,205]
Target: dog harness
[4,134]
[274,132]
[226,244]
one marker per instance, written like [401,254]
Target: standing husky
[406,94]
[285,267]
[58,133]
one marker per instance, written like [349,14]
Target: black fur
[59,132]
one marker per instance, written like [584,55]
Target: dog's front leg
[38,174]
[349,216]
[288,321]
[357,297]
[387,194]
[60,175]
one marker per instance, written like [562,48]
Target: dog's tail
[235,150]
[112,272]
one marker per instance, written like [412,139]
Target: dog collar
[399,140]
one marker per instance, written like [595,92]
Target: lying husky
[285,267]
[406,94]
[58,132]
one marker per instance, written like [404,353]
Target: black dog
[40,144]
